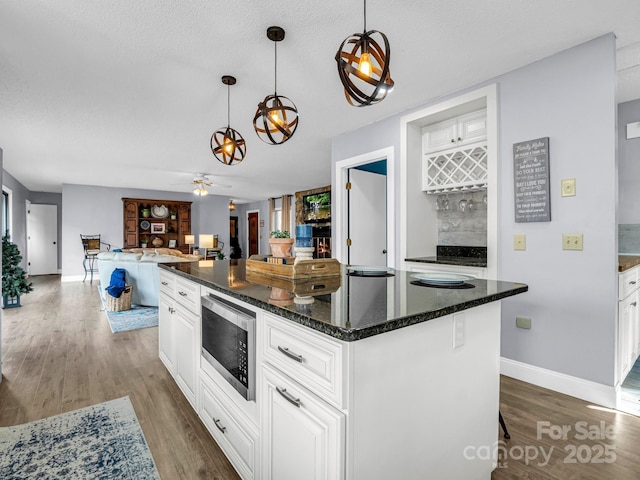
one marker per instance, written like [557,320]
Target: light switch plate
[519,242]
[572,241]
[523,322]
[568,187]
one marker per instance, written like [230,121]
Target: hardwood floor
[60,355]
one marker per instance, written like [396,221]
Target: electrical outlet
[572,241]
[523,322]
[519,242]
[569,187]
[458,330]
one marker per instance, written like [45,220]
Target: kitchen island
[356,377]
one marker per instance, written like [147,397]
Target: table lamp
[190,240]
[205,241]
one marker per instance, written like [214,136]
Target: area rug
[102,441]
[137,317]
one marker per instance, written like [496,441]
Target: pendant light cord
[228,106]
[365,16]
[275,70]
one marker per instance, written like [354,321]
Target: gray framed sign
[531,180]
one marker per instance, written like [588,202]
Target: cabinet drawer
[238,444]
[312,359]
[627,282]
[167,283]
[420,267]
[188,294]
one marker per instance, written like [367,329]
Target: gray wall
[569,97]
[629,164]
[19,196]
[91,210]
[263,214]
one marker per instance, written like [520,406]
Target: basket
[119,304]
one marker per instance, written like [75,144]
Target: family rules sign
[531,180]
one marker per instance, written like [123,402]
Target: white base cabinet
[421,267]
[302,435]
[628,321]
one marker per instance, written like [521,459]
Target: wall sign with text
[531,180]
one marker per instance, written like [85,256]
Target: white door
[42,239]
[367,204]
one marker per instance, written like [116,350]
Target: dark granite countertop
[345,307]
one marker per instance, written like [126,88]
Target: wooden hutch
[145,218]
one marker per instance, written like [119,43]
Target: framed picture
[157,228]
[172,244]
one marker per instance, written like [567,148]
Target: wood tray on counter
[308,286]
[318,267]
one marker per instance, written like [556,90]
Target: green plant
[144,239]
[14,278]
[220,255]
[280,234]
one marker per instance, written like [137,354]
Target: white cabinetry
[303,436]
[179,331]
[456,132]
[628,321]
[455,154]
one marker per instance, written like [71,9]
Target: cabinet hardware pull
[182,294]
[632,282]
[453,140]
[217,422]
[288,397]
[164,283]
[633,304]
[290,354]
[459,139]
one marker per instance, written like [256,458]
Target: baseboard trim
[71,278]
[587,390]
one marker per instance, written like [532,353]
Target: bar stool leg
[503,425]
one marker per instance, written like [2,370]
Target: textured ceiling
[127,94]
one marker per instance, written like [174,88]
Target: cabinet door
[472,127]
[626,313]
[166,337]
[130,224]
[303,436]
[439,136]
[186,354]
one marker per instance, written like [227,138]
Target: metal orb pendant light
[227,144]
[363,66]
[276,119]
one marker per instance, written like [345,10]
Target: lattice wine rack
[453,170]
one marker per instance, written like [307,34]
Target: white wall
[572,298]
[88,209]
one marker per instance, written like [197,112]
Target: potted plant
[280,243]
[220,255]
[144,240]
[145,212]
[173,214]
[14,278]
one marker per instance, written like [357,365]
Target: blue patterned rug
[103,441]
[138,317]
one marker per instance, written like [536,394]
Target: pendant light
[227,144]
[232,206]
[363,66]
[276,119]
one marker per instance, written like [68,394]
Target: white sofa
[141,266]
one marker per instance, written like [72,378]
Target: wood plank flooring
[60,355]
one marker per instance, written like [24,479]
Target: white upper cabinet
[455,132]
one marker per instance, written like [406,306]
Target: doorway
[381,214]
[367,214]
[253,238]
[42,239]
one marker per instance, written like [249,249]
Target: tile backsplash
[629,238]
[457,223]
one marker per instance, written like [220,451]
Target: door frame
[341,215]
[28,252]
[247,224]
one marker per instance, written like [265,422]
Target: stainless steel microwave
[229,342]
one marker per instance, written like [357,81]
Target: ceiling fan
[201,182]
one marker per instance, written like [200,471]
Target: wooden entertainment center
[146,218]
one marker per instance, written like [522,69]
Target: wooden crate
[293,268]
[308,286]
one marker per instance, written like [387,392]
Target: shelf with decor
[147,219]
